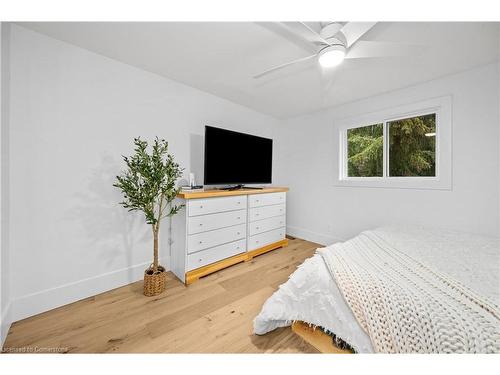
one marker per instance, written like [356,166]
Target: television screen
[236,158]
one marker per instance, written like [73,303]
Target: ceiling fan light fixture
[331,56]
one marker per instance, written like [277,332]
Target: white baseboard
[45,300]
[5,322]
[323,239]
[36,303]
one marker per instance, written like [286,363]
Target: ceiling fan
[338,41]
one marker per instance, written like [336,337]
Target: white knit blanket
[407,307]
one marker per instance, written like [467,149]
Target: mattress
[311,294]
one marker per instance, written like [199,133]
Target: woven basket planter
[154,283]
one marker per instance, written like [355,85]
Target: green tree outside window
[411,148]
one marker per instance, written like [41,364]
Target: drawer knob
[256,241]
[201,224]
[201,242]
[239,202]
[238,218]
[256,227]
[257,200]
[199,260]
[238,233]
[256,214]
[201,206]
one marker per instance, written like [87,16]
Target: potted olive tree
[148,184]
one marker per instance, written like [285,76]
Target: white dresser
[219,228]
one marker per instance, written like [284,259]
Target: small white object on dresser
[219,228]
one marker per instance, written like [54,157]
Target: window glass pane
[365,149]
[412,146]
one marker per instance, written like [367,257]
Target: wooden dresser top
[224,193]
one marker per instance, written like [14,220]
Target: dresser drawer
[259,213]
[266,225]
[213,205]
[258,200]
[263,239]
[203,223]
[200,241]
[214,254]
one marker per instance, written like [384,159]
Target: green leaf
[149,181]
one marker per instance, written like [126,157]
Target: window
[407,147]
[412,146]
[365,156]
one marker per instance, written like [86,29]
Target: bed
[448,271]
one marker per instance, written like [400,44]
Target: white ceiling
[222,57]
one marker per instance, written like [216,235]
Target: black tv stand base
[238,187]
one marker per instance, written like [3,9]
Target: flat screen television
[236,158]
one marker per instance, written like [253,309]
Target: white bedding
[311,294]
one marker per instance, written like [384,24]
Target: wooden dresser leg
[190,280]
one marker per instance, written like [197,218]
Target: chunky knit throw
[406,306]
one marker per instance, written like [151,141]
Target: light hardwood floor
[213,315]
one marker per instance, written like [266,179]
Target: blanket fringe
[336,340]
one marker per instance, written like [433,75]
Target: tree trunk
[155,249]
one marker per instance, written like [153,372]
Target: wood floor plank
[213,315]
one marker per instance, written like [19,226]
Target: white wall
[5,318]
[319,211]
[73,114]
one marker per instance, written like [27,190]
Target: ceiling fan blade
[279,67]
[352,31]
[305,32]
[366,49]
[285,32]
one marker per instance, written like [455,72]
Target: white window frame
[443,180]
